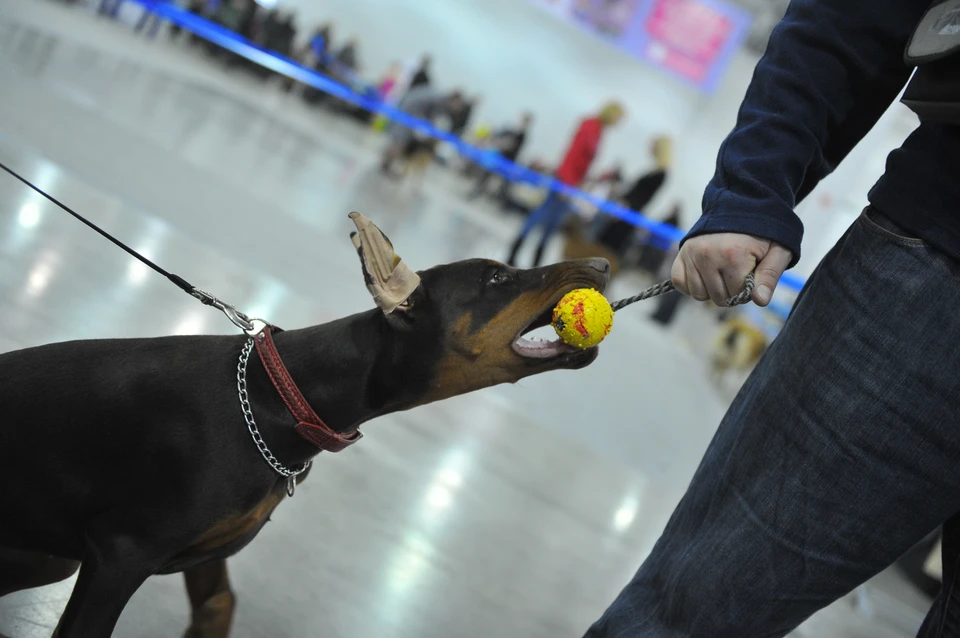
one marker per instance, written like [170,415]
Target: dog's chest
[228,535]
[232,533]
[235,527]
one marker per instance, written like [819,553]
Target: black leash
[177,280]
[239,319]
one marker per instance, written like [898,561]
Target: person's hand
[715,266]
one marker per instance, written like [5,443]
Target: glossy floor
[516,511]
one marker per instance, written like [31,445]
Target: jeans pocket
[879,224]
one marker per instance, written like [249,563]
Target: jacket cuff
[733,214]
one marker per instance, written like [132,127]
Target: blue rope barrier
[487,159]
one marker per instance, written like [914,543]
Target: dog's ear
[390,281]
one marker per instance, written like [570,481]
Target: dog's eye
[498,277]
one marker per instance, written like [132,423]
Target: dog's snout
[599,264]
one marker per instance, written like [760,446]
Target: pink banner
[690,39]
[686,36]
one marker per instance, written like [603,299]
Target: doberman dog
[130,457]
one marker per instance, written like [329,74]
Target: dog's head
[460,327]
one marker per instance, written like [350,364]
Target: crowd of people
[413,89]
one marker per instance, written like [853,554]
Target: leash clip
[251,327]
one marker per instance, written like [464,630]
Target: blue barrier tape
[489,160]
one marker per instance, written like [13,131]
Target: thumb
[768,273]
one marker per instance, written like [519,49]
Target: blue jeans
[548,215]
[840,452]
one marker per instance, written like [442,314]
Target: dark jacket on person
[831,69]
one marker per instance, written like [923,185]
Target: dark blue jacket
[831,69]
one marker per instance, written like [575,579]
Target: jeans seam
[877,229]
[786,543]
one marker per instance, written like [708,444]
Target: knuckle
[732,254]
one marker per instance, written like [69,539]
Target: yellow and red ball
[583,318]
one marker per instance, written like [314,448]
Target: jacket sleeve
[831,69]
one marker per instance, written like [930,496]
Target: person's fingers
[769,271]
[695,283]
[712,257]
[678,275]
[735,277]
[716,286]
[687,279]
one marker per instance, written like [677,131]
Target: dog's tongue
[537,348]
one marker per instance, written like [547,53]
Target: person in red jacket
[572,171]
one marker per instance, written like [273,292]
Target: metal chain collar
[278,467]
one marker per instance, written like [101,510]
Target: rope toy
[583,317]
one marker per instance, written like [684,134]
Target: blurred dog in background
[738,346]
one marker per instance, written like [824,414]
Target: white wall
[518,56]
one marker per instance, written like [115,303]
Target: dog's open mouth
[540,341]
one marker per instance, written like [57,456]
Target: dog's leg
[26,570]
[112,569]
[211,600]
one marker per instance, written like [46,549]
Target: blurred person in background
[461,120]
[241,17]
[388,83]
[193,6]
[572,171]
[421,75]
[840,451]
[667,251]
[348,61]
[248,19]
[279,37]
[232,13]
[109,8]
[618,235]
[317,55]
[389,87]
[508,142]
[425,103]
[345,69]
[318,46]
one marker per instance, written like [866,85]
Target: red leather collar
[309,425]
